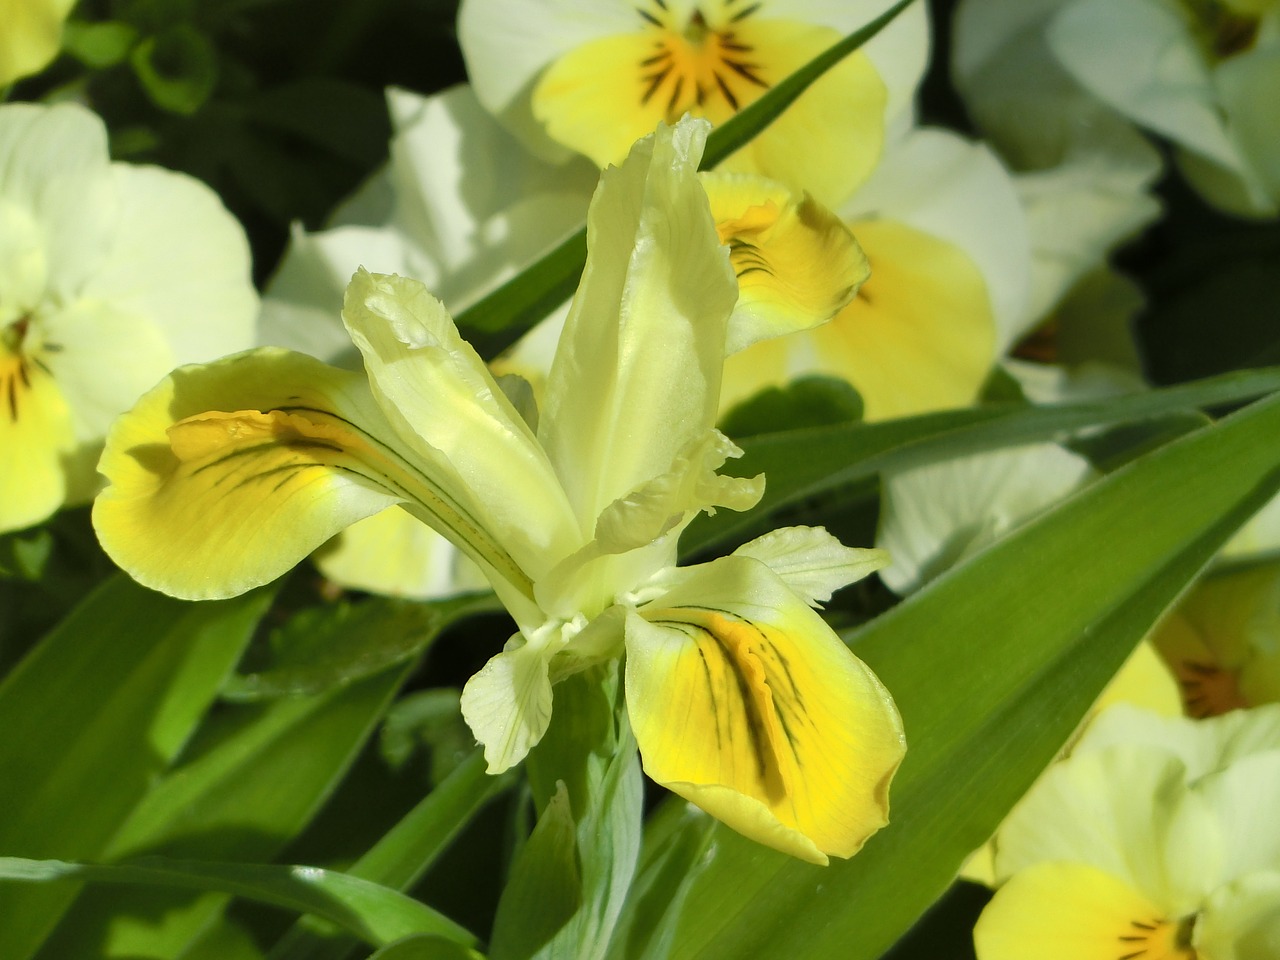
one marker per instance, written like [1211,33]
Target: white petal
[812,562]
[934,516]
[957,191]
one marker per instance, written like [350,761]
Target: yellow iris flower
[741,697]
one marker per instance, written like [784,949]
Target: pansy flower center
[1157,939]
[1224,31]
[701,65]
[1208,690]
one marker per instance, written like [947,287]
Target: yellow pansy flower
[110,274]
[1155,839]
[593,77]
[226,475]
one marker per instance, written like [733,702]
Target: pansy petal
[1241,921]
[1072,911]
[797,264]
[226,475]
[36,434]
[744,702]
[919,336]
[507,704]
[1141,58]
[812,562]
[180,260]
[445,405]
[637,373]
[394,554]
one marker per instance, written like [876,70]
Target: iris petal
[226,475]
[744,702]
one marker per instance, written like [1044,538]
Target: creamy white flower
[110,275]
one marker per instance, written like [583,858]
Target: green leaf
[589,757]
[497,320]
[178,68]
[99,45]
[811,401]
[91,717]
[801,463]
[426,948]
[375,914]
[405,853]
[544,890]
[324,647]
[676,842]
[254,778]
[992,666]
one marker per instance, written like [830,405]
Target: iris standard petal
[744,702]
[447,408]
[637,373]
[226,475]
[1071,911]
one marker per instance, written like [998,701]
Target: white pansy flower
[110,275]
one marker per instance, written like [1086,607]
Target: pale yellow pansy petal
[1204,746]
[1241,920]
[601,96]
[1071,911]
[797,264]
[225,476]
[812,562]
[394,554]
[744,702]
[103,359]
[936,516]
[36,433]
[1142,58]
[180,260]
[637,373]
[1143,681]
[445,405]
[31,36]
[1242,797]
[507,703]
[919,336]
[830,139]
[1154,832]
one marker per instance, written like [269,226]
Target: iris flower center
[1208,689]
[1224,31]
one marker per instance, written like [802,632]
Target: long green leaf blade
[375,914]
[91,717]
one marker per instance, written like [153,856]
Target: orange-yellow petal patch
[744,702]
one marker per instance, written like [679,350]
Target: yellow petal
[31,36]
[602,96]
[797,263]
[1069,911]
[35,435]
[226,475]
[919,336]
[744,702]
